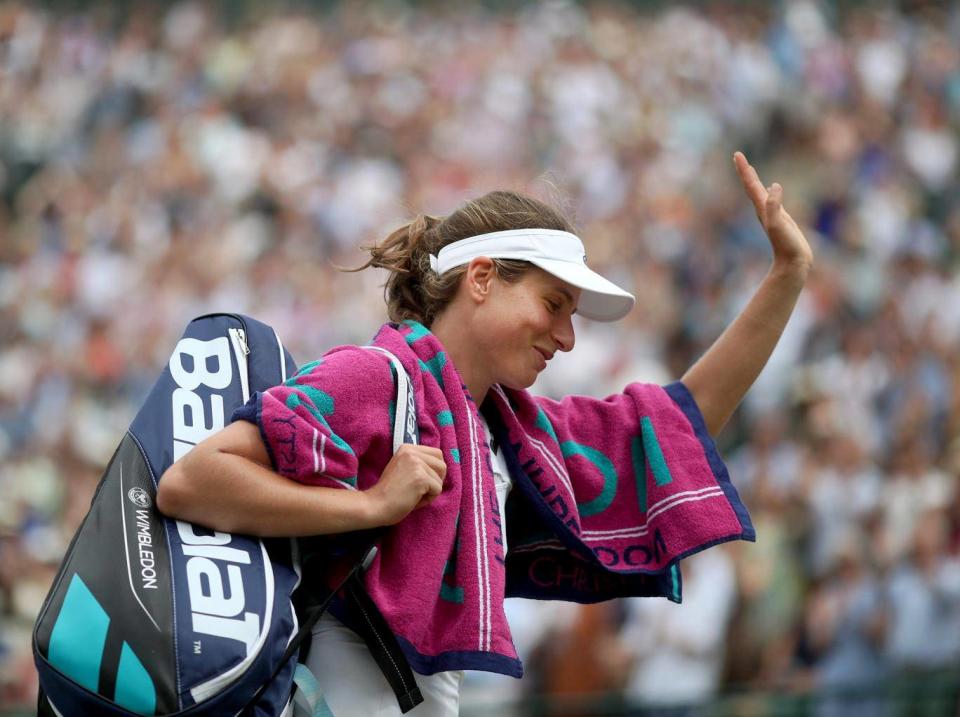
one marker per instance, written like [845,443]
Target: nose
[563,334]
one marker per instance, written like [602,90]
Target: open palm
[786,238]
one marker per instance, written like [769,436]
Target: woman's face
[523,324]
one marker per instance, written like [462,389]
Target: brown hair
[413,290]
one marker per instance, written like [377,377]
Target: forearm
[234,494]
[722,376]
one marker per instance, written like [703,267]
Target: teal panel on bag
[78,636]
[135,690]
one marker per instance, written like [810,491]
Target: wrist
[794,269]
[369,510]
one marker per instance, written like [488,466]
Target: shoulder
[347,384]
[349,365]
[349,392]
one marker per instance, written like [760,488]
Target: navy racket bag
[150,615]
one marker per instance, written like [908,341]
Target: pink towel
[609,494]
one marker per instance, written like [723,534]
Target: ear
[479,278]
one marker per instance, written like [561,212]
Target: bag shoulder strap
[405,428]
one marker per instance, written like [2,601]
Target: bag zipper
[238,339]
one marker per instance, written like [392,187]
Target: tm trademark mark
[197,647]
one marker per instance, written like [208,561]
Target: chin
[519,384]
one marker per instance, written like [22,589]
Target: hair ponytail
[400,251]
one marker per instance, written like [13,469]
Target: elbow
[185,492]
[172,491]
[714,416]
[715,423]
[181,489]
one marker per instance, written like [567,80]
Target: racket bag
[150,615]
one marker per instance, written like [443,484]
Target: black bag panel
[106,623]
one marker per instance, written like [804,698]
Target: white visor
[558,253]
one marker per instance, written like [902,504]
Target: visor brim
[600,298]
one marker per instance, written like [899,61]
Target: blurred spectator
[583,661]
[844,488]
[923,593]
[914,487]
[771,587]
[153,168]
[846,626]
[678,650]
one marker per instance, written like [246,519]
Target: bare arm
[225,483]
[722,376]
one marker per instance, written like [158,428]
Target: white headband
[558,253]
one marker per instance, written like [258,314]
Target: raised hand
[790,247]
[721,377]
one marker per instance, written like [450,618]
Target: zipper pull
[242,337]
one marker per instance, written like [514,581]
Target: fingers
[767,201]
[746,170]
[431,487]
[426,470]
[757,193]
[425,500]
[434,483]
[434,459]
[774,199]
[431,457]
[413,478]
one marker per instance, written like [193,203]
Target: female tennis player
[606,496]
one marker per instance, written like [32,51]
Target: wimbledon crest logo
[139,497]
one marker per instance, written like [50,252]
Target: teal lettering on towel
[320,405]
[543,423]
[435,366]
[639,471]
[651,446]
[605,466]
[417,331]
[304,370]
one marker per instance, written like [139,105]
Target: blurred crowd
[157,167]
